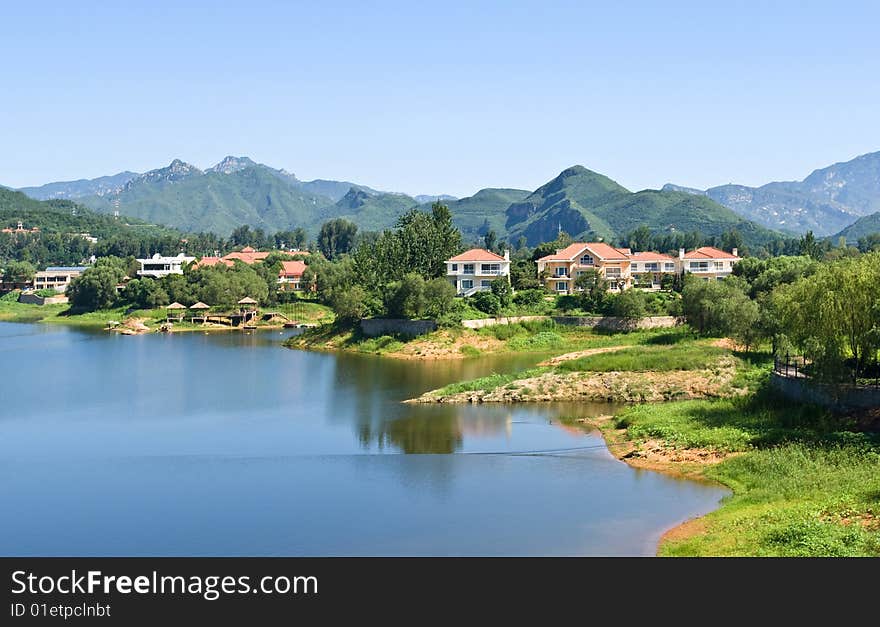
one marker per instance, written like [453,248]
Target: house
[562,268]
[158,266]
[246,255]
[473,271]
[707,262]
[648,269]
[19,229]
[290,276]
[57,278]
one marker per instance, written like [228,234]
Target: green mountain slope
[863,226]
[70,190]
[588,205]
[64,216]
[370,211]
[217,200]
[485,210]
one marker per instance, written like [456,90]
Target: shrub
[486,302]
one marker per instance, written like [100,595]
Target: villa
[158,266]
[290,276]
[623,269]
[473,271]
[648,269]
[57,278]
[561,269]
[708,263]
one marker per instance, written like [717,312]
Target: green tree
[337,237]
[486,302]
[19,272]
[502,290]
[629,305]
[593,288]
[406,298]
[95,288]
[490,240]
[145,293]
[439,297]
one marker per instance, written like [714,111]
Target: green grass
[648,358]
[801,474]
[489,383]
[469,351]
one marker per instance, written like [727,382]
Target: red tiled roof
[708,252]
[600,249]
[292,268]
[625,251]
[477,254]
[247,255]
[650,256]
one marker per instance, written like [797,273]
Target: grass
[804,483]
[648,358]
[490,382]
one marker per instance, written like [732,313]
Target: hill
[485,210]
[826,201]
[370,211]
[218,199]
[867,225]
[71,190]
[588,205]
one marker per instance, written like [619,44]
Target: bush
[487,302]
[529,298]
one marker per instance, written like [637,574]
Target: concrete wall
[836,398]
[620,324]
[490,322]
[33,299]
[375,327]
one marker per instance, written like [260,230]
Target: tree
[810,247]
[523,275]
[145,293]
[95,288]
[490,240]
[439,297]
[337,237]
[486,302]
[406,298]
[19,272]
[629,305]
[594,290]
[351,305]
[502,290]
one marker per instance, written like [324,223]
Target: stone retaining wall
[620,324]
[375,327]
[836,398]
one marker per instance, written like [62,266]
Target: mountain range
[825,202]
[578,201]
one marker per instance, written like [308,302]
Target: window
[635,267]
[485,283]
[455,267]
[467,268]
[669,267]
[561,286]
[719,265]
[559,272]
[612,272]
[467,284]
[699,266]
[652,267]
[491,268]
[587,260]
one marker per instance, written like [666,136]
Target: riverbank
[144,320]
[463,343]
[646,372]
[804,482]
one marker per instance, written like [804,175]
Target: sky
[447,97]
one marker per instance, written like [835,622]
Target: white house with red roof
[290,276]
[561,269]
[707,262]
[474,270]
[648,269]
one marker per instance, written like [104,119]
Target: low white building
[57,278]
[708,263]
[158,266]
[473,271]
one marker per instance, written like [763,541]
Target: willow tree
[834,315]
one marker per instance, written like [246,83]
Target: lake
[229,444]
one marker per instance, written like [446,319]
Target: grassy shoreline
[152,318]
[804,482]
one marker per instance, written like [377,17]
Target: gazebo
[198,312]
[248,310]
[175,307]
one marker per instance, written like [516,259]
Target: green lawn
[804,483]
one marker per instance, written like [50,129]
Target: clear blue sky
[442,97]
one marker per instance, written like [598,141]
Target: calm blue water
[229,444]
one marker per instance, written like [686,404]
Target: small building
[57,278]
[562,268]
[158,266]
[290,276]
[708,263]
[473,271]
[648,269]
[20,230]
